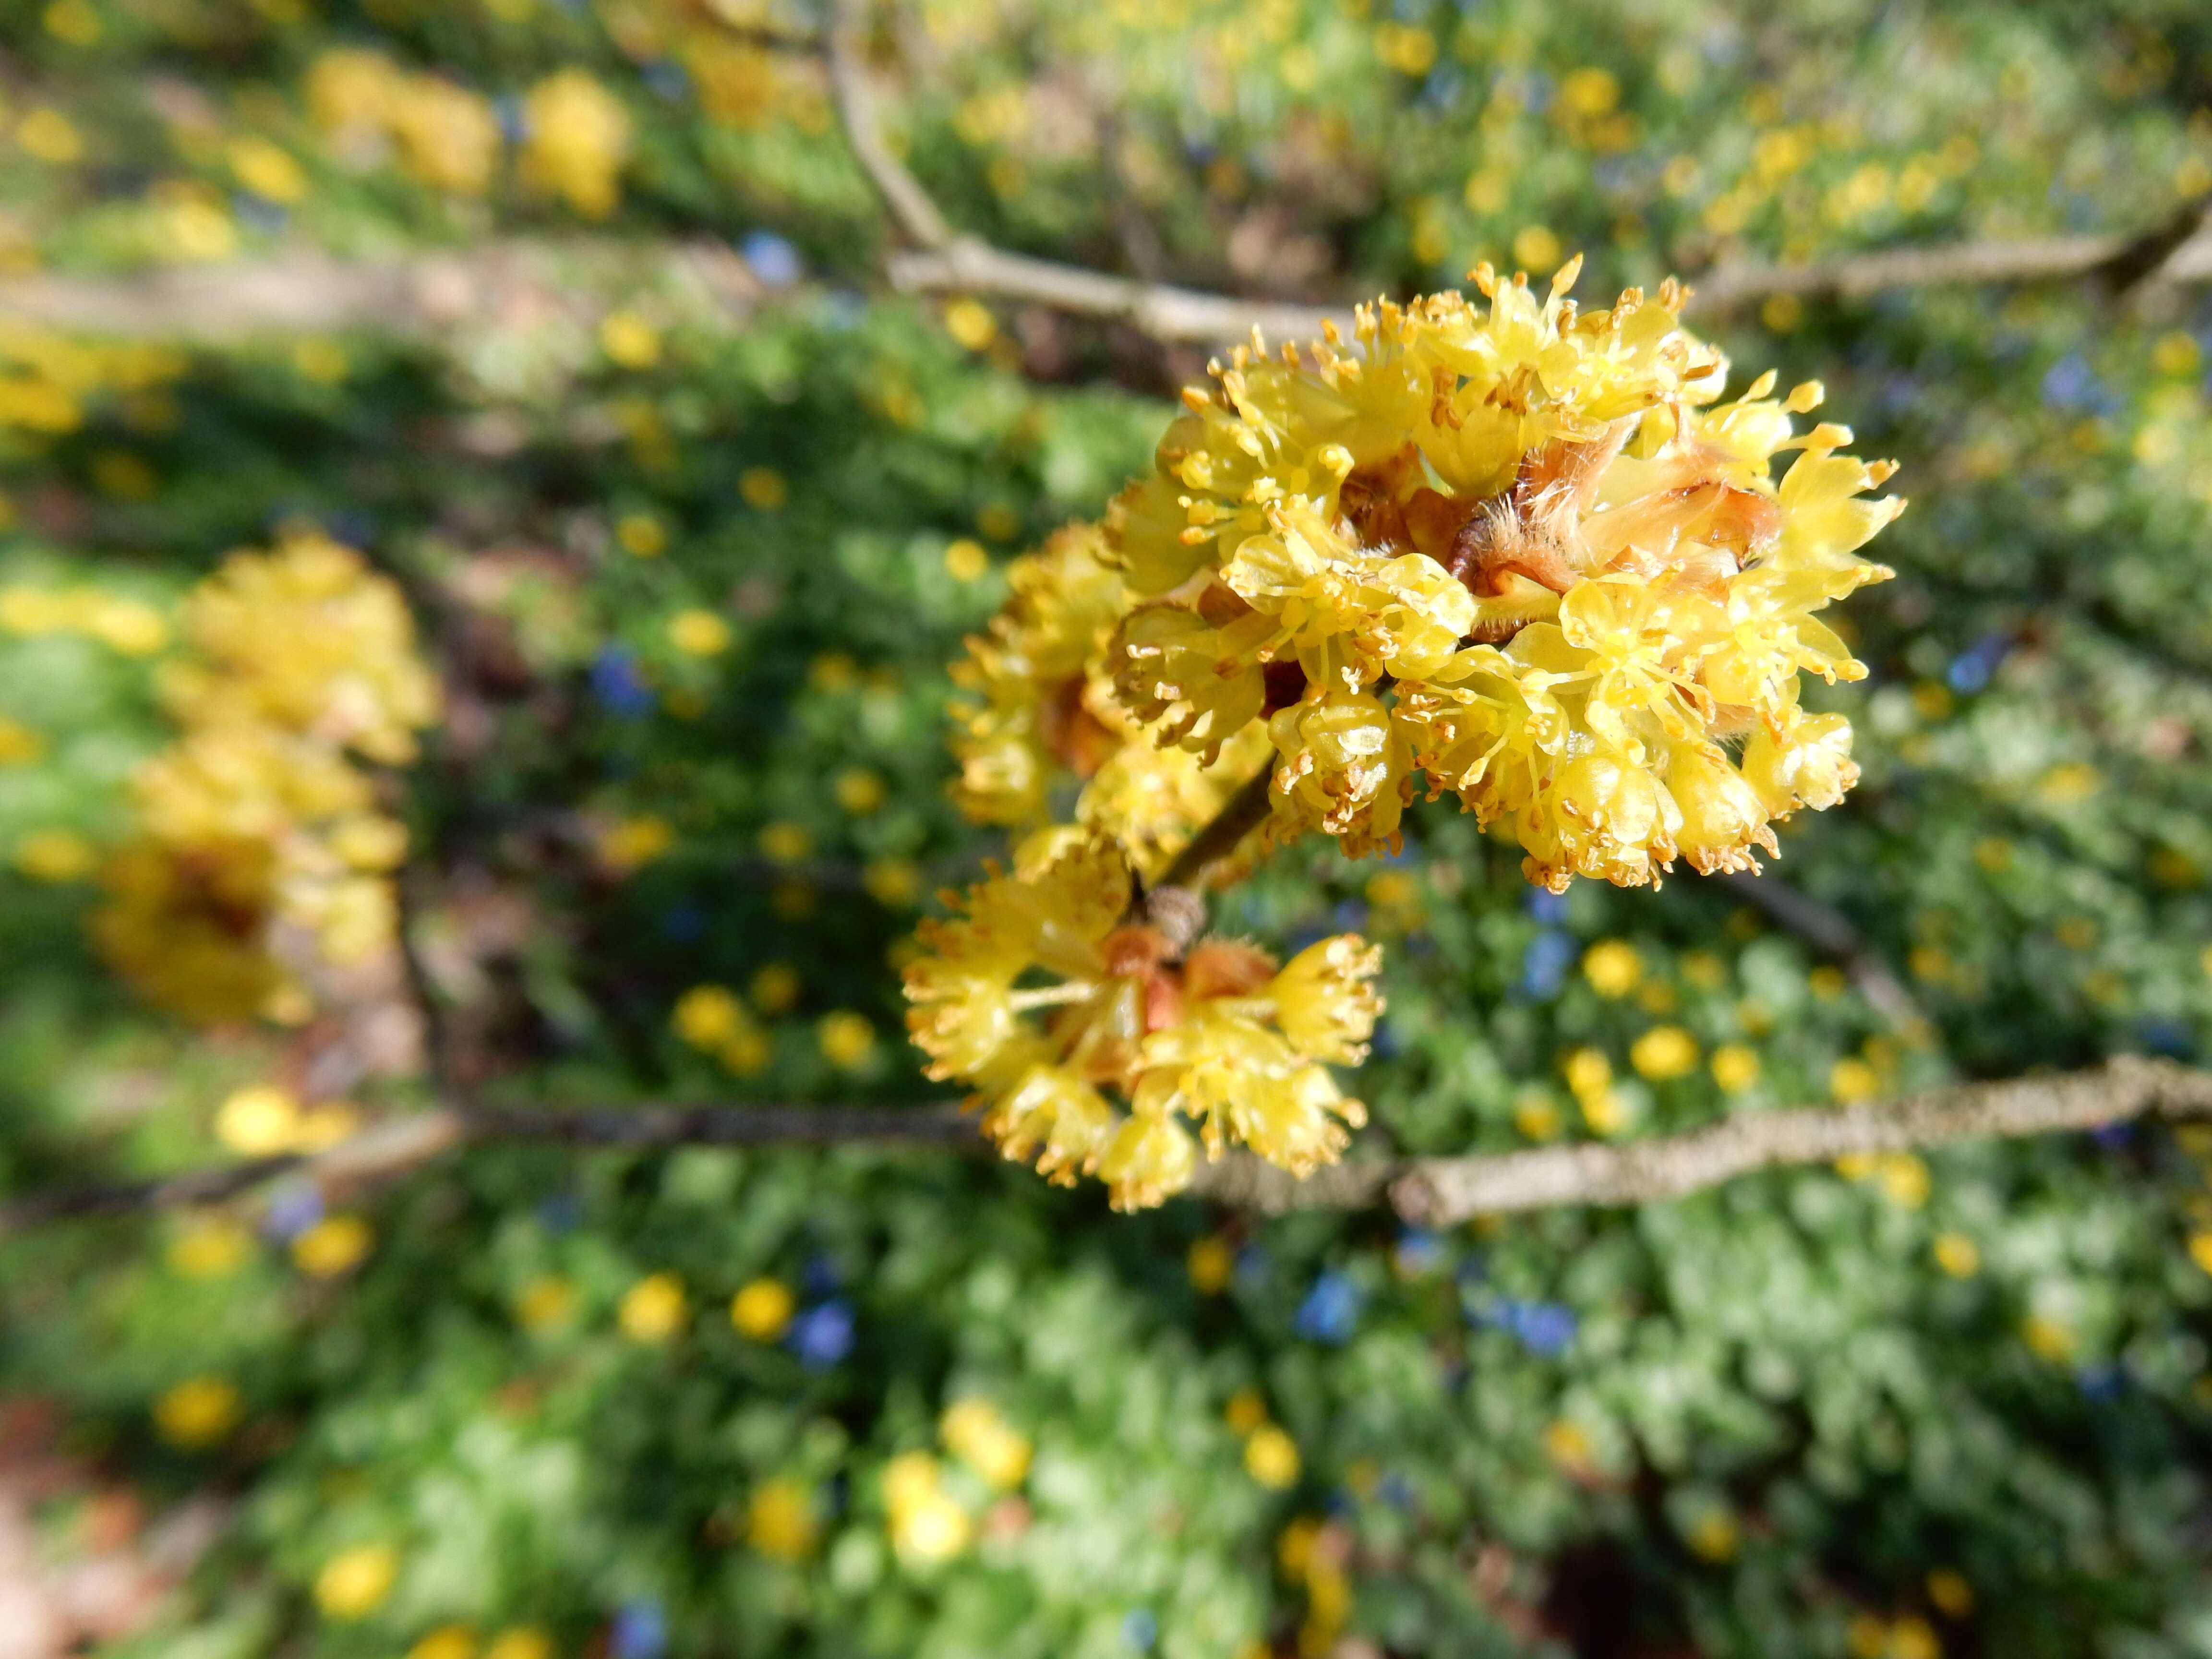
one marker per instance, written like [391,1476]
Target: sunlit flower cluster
[260,846]
[1520,549]
[576,134]
[48,381]
[1042,708]
[1093,1044]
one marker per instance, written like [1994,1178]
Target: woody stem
[1173,904]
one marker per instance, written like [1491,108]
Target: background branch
[1427,1191]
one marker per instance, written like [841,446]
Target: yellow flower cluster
[1521,549]
[447,137]
[259,839]
[1045,996]
[928,1521]
[46,381]
[1042,706]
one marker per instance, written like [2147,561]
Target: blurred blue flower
[562,1213]
[823,1335]
[293,1208]
[819,1277]
[1546,907]
[1385,1042]
[1544,967]
[2171,1037]
[1970,670]
[1351,916]
[1420,1251]
[615,682]
[1140,1629]
[2100,1383]
[1396,1490]
[513,124]
[774,260]
[1546,1329]
[1253,1267]
[640,1631]
[258,212]
[1330,1312]
[2070,383]
[684,922]
[2113,1137]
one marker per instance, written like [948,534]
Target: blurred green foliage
[1958,1405]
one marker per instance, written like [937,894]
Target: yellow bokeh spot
[763,1309]
[775,989]
[2048,1339]
[447,1642]
[1851,1079]
[708,1016]
[847,1038]
[895,884]
[966,561]
[999,522]
[2200,1250]
[1735,1067]
[1913,1637]
[354,1582]
[76,22]
[2176,352]
[546,1303]
[970,322]
[700,633]
[1536,1114]
[1613,968]
[784,842]
[1568,1445]
[1904,1180]
[257,1121]
[642,535]
[55,855]
[523,1642]
[1245,1412]
[267,170]
[1536,249]
[1783,312]
[1958,1255]
[1868,1638]
[859,791]
[636,842]
[19,744]
[653,1309]
[213,1249]
[333,1245]
[781,1521]
[1664,1052]
[1827,983]
[49,136]
[323,361]
[974,1431]
[1948,1589]
[628,340]
[198,1412]
[763,488]
[1210,1263]
[1271,1457]
[1715,1536]
[2068,784]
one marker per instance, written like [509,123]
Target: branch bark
[1424,1191]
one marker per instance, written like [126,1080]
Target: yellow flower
[1664,1052]
[267,170]
[523,1642]
[447,135]
[1958,1255]
[1271,1457]
[970,322]
[642,535]
[545,1303]
[1851,1080]
[634,843]
[653,1309]
[50,137]
[354,1582]
[1219,1037]
[1323,530]
[628,340]
[447,1642]
[780,1521]
[1948,1589]
[700,633]
[212,1249]
[332,1246]
[859,791]
[927,1526]
[762,1310]
[1210,1264]
[966,561]
[708,1016]
[783,842]
[55,855]
[974,1432]
[1735,1067]
[579,138]
[847,1039]
[198,1412]
[763,488]
[19,744]
[895,882]
[258,1120]
[1613,968]
[1245,1412]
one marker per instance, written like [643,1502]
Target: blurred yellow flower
[847,1038]
[763,1309]
[1271,1457]
[859,791]
[258,1120]
[1210,1264]
[1245,1412]
[642,535]
[1735,1067]
[19,744]
[966,561]
[447,1642]
[927,1526]
[894,883]
[546,1302]
[775,989]
[267,170]
[654,1310]
[579,136]
[1851,1079]
[784,842]
[780,1519]
[1613,968]
[970,322]
[1664,1052]
[974,1431]
[49,136]
[55,855]
[707,1016]
[198,1412]
[1958,1255]
[354,1582]
[700,632]
[763,488]
[211,1249]
[636,842]
[523,1642]
[628,340]
[334,1245]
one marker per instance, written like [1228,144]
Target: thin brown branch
[909,203]
[1427,1191]
[1831,933]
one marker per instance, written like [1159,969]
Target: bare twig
[1427,1191]
[909,203]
